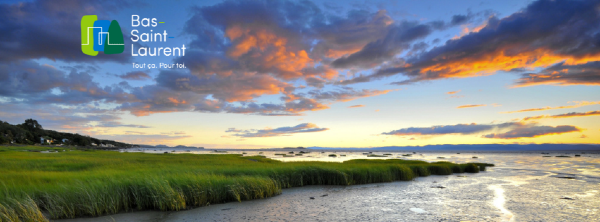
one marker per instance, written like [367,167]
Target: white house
[42,140]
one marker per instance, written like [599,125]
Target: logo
[101,35]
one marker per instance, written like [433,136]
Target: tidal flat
[522,186]
[65,183]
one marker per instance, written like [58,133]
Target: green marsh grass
[93,183]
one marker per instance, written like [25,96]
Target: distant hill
[31,132]
[167,147]
[479,147]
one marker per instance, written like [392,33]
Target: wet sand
[512,191]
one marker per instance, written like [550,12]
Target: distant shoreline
[434,148]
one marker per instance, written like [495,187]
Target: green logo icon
[101,35]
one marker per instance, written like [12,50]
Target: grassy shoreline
[94,183]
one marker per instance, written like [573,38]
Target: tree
[32,125]
[9,135]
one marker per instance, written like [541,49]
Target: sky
[265,74]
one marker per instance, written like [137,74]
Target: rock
[565,177]
[312,198]
[567,198]
[324,195]
[438,186]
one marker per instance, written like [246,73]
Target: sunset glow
[265,74]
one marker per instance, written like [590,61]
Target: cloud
[470,106]
[565,115]
[135,75]
[463,129]
[453,92]
[356,106]
[542,34]
[345,36]
[345,94]
[76,119]
[156,99]
[562,74]
[397,39]
[297,40]
[232,88]
[254,36]
[459,19]
[50,29]
[515,130]
[577,104]
[118,124]
[179,91]
[315,82]
[32,82]
[392,39]
[281,131]
[533,131]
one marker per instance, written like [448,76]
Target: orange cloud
[453,92]
[566,115]
[146,112]
[487,63]
[176,102]
[470,106]
[305,105]
[467,30]
[356,106]
[266,50]
[577,104]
